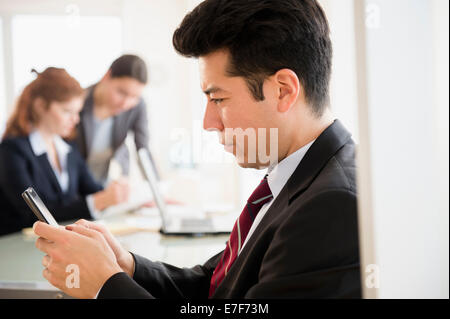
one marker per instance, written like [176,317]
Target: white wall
[405,158]
[343,99]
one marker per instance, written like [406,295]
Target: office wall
[403,164]
[343,97]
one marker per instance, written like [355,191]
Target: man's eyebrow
[213,90]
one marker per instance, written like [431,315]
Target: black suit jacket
[306,246]
[20,168]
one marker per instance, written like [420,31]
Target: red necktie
[259,197]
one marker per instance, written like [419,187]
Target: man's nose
[212,120]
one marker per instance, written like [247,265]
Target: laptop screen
[149,174]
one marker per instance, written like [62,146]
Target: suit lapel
[71,168]
[87,120]
[325,147]
[120,128]
[116,133]
[47,169]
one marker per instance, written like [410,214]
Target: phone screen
[37,206]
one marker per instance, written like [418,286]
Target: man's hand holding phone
[123,257]
[84,249]
[88,247]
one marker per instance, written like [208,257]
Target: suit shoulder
[18,144]
[140,108]
[339,173]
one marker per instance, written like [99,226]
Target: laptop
[176,225]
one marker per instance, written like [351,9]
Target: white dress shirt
[278,176]
[62,149]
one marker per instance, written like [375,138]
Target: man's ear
[289,89]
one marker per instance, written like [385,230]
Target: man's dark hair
[129,65]
[263,37]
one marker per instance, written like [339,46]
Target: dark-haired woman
[33,153]
[114,107]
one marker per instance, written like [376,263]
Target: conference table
[137,231]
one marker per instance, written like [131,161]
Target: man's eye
[217,101]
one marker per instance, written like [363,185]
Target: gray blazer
[134,120]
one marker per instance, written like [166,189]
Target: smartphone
[37,206]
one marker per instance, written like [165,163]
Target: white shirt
[62,150]
[101,150]
[278,176]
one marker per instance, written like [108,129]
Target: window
[84,45]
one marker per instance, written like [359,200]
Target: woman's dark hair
[263,37]
[51,85]
[129,65]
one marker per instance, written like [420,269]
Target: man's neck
[311,130]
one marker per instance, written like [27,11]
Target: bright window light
[84,46]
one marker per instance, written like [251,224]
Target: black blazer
[306,246]
[20,168]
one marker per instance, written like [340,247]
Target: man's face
[122,94]
[232,111]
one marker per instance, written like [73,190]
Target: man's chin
[246,164]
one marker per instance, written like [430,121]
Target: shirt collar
[279,174]
[38,144]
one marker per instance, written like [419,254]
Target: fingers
[91,225]
[86,223]
[52,278]
[53,233]
[149,204]
[46,260]
[118,192]
[83,230]
[123,182]
[44,245]
[173,202]
[125,187]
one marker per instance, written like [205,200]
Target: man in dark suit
[264,65]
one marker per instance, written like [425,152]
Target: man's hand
[83,249]
[123,257]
